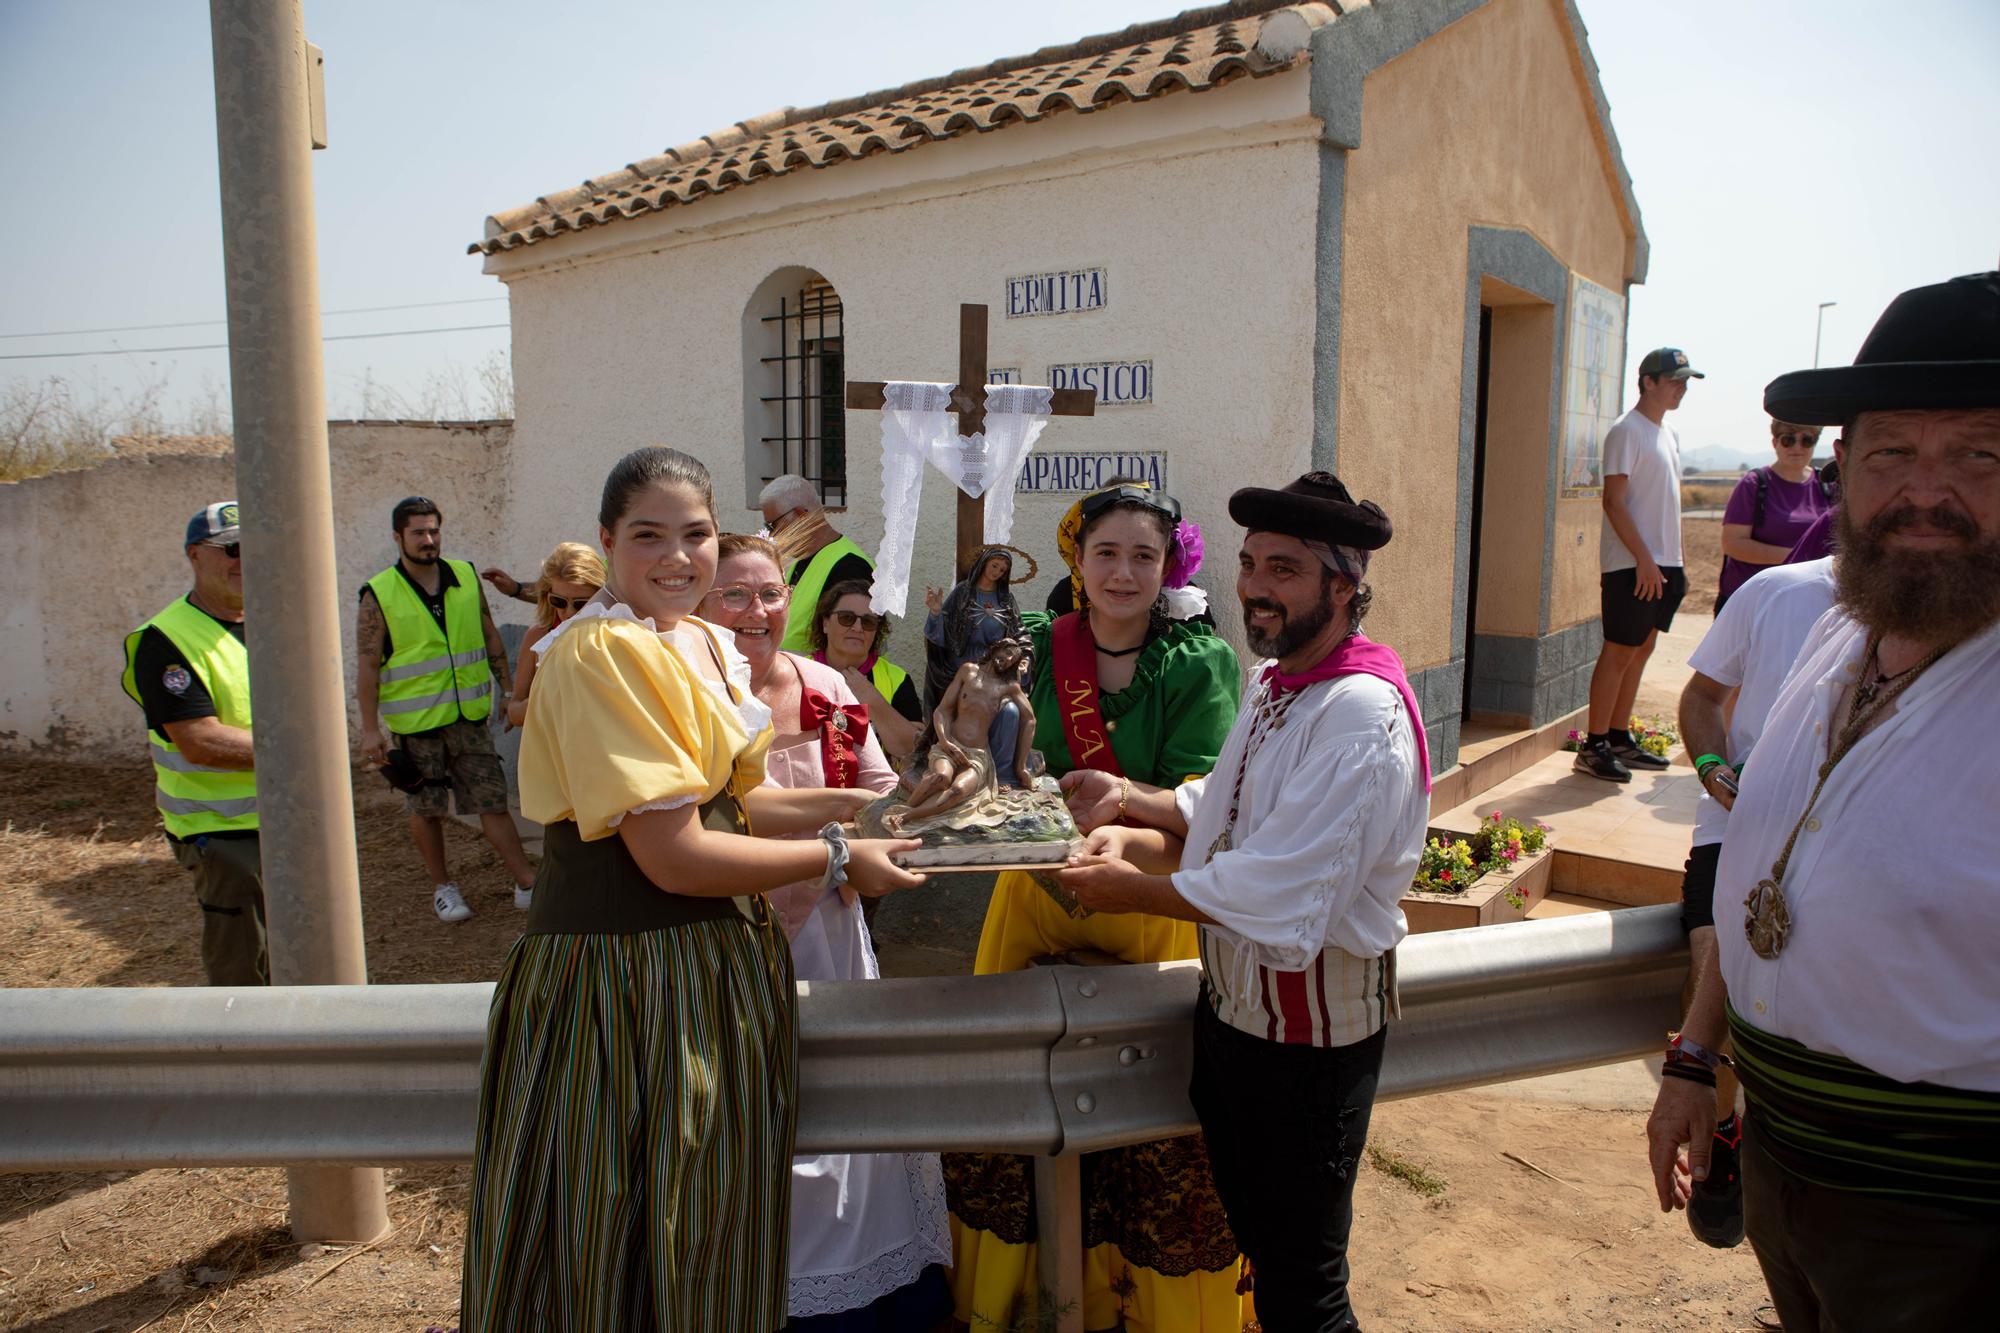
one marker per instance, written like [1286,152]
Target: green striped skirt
[636,1117]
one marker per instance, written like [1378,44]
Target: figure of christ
[972,736]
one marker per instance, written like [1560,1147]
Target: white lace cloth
[919,427]
[750,710]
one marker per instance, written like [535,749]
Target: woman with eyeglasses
[1771,508]
[570,577]
[638,1095]
[847,635]
[1160,694]
[868,1232]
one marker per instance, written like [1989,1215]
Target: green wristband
[1705,762]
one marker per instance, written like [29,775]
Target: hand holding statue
[1094,797]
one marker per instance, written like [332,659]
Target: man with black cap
[188,668]
[1640,555]
[1293,856]
[1858,896]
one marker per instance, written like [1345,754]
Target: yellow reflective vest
[193,798]
[433,676]
[887,677]
[807,589]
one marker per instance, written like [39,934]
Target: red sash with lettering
[843,730]
[1073,659]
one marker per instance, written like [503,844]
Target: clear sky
[1784,153]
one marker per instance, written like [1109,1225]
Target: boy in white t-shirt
[1642,583]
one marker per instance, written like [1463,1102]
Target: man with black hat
[1640,554]
[1293,855]
[1858,895]
[188,668]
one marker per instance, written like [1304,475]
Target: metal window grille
[809,374]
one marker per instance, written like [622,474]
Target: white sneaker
[524,897]
[450,903]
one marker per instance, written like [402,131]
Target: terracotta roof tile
[1192,52]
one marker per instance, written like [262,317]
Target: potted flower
[1495,875]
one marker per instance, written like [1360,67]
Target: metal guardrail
[1054,1060]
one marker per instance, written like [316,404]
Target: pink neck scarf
[1359,655]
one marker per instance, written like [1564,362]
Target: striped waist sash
[1839,1124]
[1335,1000]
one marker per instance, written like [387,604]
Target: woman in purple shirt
[1771,508]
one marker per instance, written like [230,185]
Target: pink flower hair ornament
[1184,557]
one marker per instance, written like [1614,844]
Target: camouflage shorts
[458,762]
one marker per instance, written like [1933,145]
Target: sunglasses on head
[562,603]
[1093,505]
[867,620]
[234,550]
[738,596]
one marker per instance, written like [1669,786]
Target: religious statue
[977,794]
[977,613]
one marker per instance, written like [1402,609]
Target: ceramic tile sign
[1118,383]
[1004,375]
[1593,380]
[1063,292]
[1079,471]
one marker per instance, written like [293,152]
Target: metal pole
[278,393]
[1819,323]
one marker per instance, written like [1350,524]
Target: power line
[202,323]
[212,347]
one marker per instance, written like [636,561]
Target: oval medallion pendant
[1767,921]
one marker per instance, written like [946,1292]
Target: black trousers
[1285,1126]
[1838,1261]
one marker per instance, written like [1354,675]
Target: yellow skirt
[991,1278]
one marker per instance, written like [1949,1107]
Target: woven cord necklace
[1767,919]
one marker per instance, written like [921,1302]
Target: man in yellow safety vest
[427,660]
[188,669]
[819,555]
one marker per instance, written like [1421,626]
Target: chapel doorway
[1507,506]
[1478,517]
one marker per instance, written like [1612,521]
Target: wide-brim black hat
[1934,348]
[1316,507]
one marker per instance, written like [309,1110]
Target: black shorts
[1627,620]
[1698,887]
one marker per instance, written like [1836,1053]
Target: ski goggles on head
[1093,505]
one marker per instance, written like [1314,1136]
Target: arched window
[795,385]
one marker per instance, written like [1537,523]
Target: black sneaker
[1596,759]
[1715,1209]
[1629,754]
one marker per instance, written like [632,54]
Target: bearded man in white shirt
[1292,855]
[1858,895]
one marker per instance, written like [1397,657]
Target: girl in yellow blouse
[636,1103]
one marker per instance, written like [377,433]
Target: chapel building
[1391,239]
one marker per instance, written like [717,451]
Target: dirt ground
[95,899]
[1701,557]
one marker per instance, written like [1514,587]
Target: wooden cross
[968,399]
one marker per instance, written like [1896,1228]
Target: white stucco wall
[1204,226]
[92,554]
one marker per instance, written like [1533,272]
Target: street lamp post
[1819,324]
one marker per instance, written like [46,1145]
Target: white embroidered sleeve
[1301,867]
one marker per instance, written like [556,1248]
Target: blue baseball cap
[215,525]
[1671,362]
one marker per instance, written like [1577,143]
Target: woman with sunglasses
[1771,508]
[570,577]
[847,635]
[868,1232]
[1162,693]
